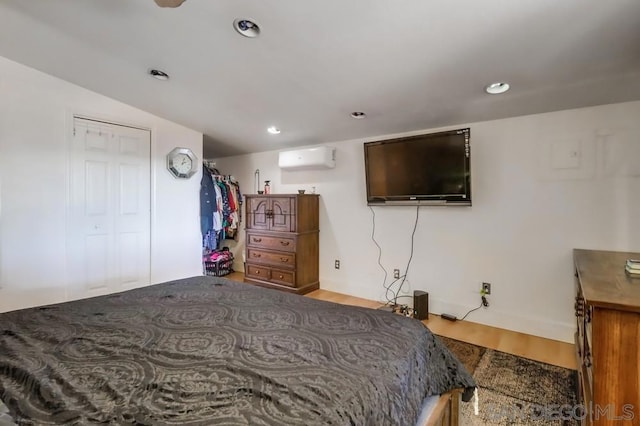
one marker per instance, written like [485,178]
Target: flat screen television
[426,169]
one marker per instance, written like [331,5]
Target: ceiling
[410,64]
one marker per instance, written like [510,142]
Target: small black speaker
[420,305]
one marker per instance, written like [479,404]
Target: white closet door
[108,247]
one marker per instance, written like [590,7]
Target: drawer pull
[285,243]
[257,255]
[284,259]
[281,276]
[257,240]
[257,272]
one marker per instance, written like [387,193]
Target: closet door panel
[128,252]
[96,270]
[128,236]
[97,226]
[90,226]
[129,177]
[132,220]
[96,178]
[108,228]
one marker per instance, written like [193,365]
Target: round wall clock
[182,163]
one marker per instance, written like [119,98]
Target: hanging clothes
[235,215]
[220,208]
[207,208]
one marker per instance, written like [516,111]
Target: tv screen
[425,169]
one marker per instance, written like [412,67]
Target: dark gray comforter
[208,351]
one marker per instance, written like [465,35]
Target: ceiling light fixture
[273,130]
[246,27]
[358,115]
[497,88]
[160,75]
[169,3]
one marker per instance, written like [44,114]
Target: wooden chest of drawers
[607,310]
[282,247]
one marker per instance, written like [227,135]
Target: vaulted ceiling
[409,64]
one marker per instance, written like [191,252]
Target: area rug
[515,390]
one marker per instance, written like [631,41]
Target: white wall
[542,185]
[35,115]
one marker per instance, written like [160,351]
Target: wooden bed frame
[446,411]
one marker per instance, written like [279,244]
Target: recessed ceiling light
[160,75]
[358,114]
[246,27]
[273,130]
[497,88]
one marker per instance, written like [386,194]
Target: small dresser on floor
[607,337]
[282,247]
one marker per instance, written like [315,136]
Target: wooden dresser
[282,247]
[608,337]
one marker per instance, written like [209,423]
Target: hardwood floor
[537,348]
[524,345]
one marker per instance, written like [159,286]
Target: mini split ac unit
[320,157]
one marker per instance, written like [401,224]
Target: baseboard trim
[534,326]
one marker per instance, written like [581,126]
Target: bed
[207,350]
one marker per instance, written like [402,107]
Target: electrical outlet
[337,264]
[486,288]
[396,274]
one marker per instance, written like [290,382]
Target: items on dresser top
[632,267]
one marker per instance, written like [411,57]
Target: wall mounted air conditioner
[319,157]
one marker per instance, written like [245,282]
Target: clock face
[181,163]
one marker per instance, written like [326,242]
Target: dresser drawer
[271,258]
[283,277]
[265,273]
[271,242]
[258,271]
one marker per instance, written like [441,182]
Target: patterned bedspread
[206,350]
